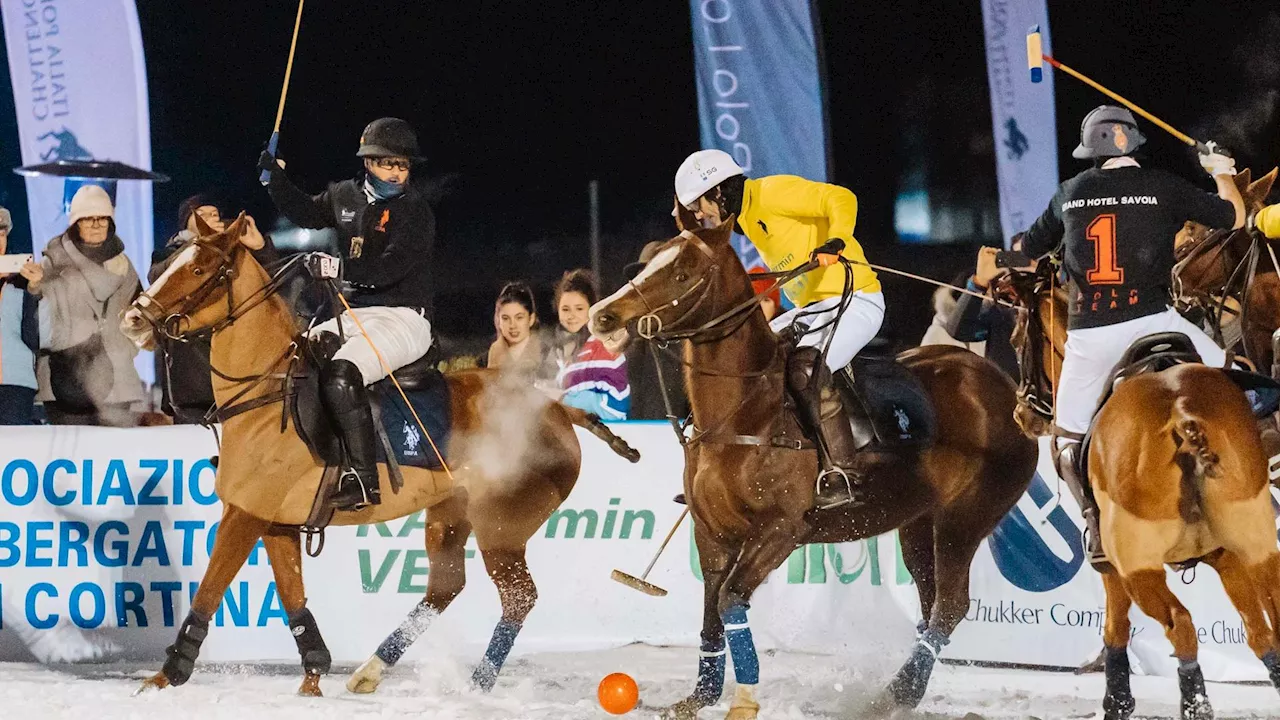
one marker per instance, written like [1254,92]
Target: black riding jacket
[1118,226]
[385,245]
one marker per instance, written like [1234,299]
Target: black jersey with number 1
[1119,225]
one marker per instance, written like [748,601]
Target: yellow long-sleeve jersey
[1268,221]
[787,217]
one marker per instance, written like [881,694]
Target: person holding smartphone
[19,337]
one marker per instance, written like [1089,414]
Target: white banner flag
[80,88]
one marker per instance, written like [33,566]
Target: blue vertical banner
[760,90]
[1022,113]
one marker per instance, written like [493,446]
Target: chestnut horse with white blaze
[751,503]
[267,478]
[1177,468]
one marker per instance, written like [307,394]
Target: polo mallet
[640,583]
[1036,58]
[274,142]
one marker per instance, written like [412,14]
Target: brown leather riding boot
[818,410]
[1069,469]
[836,488]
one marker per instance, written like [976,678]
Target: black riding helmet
[389,137]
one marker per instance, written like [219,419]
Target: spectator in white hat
[85,281]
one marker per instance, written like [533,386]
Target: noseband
[650,326]
[167,323]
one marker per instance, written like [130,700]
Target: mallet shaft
[1122,100]
[665,541]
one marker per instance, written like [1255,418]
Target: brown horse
[1176,466]
[752,503]
[509,472]
[1231,277]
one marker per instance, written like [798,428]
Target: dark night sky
[527,101]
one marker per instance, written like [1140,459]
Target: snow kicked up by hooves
[562,686]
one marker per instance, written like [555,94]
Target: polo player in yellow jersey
[789,220]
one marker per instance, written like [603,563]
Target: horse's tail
[1193,442]
[591,423]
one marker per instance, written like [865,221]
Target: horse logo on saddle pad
[885,403]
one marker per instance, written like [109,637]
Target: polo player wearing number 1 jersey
[1117,221]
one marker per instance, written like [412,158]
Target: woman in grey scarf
[85,282]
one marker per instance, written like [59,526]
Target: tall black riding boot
[1068,467]
[347,401]
[819,410]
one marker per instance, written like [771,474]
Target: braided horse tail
[592,424]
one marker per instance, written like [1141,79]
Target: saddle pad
[891,400]
[431,402]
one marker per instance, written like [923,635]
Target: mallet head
[1035,54]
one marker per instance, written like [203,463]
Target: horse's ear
[202,227]
[1259,190]
[685,219]
[1243,178]
[720,234]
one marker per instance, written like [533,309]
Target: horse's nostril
[604,321]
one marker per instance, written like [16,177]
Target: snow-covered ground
[561,686]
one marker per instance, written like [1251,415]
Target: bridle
[167,325]
[651,327]
[1237,281]
[1035,386]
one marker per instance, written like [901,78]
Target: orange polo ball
[618,693]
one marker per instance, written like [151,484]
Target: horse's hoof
[159,681]
[366,678]
[310,686]
[743,712]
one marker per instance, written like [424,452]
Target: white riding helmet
[702,171]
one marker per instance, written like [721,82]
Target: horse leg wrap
[419,619]
[746,664]
[913,678]
[316,659]
[1195,700]
[1272,662]
[1118,703]
[181,656]
[504,637]
[710,672]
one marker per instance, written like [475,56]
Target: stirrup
[848,499]
[345,480]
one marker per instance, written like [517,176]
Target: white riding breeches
[857,327]
[401,334]
[1092,354]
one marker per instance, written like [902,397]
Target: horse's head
[1229,275]
[1206,255]
[194,291]
[1040,338]
[688,282]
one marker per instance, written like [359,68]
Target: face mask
[383,190]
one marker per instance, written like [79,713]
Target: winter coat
[596,381]
[187,364]
[19,333]
[646,395]
[978,320]
[90,361]
[386,245]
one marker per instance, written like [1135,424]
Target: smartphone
[1011,259]
[11,264]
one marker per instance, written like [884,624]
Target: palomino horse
[1177,469]
[752,503]
[510,473]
